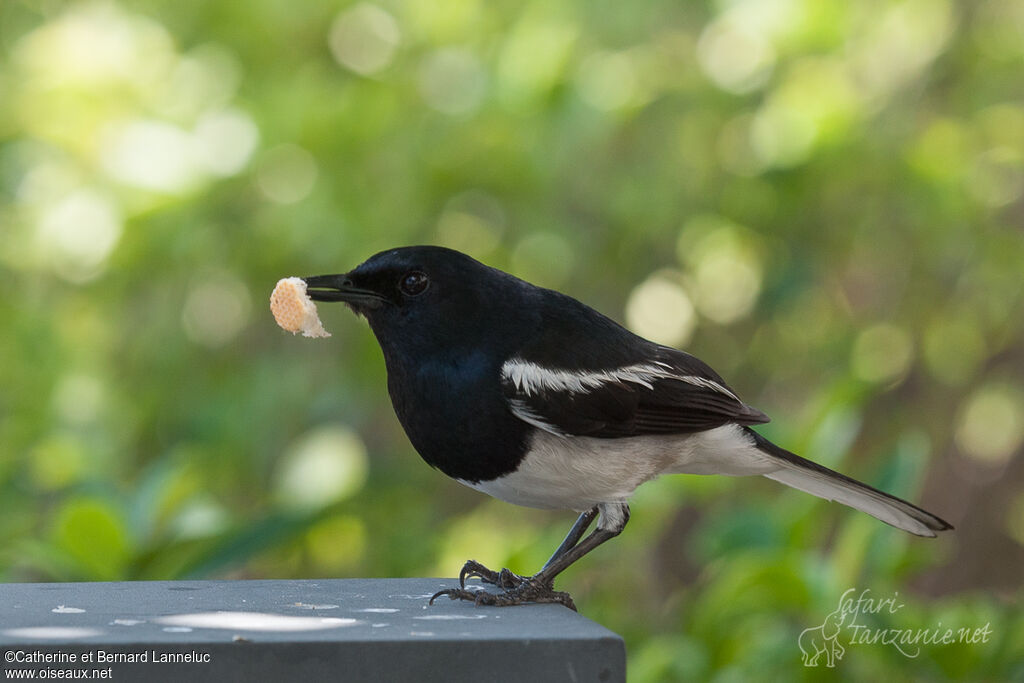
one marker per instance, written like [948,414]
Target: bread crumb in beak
[294,310]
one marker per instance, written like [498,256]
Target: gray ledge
[337,629]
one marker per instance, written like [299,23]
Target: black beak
[341,288]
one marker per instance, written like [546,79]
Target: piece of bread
[294,310]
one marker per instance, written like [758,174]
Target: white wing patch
[531,378]
[523,412]
[707,384]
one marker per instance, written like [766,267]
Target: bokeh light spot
[363,38]
[325,465]
[660,310]
[46,181]
[78,233]
[155,155]
[736,59]
[782,135]
[608,80]
[203,79]
[817,102]
[900,44]
[79,398]
[224,141]
[882,353]
[990,426]
[95,44]
[726,267]
[199,518]
[452,81]
[996,177]
[149,154]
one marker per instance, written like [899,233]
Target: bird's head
[423,296]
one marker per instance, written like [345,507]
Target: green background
[822,199]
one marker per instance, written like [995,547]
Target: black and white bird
[532,397]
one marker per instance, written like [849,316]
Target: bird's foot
[527,590]
[505,579]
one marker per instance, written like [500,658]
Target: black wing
[665,392]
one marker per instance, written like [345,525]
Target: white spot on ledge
[255,621]
[61,609]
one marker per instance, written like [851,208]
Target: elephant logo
[823,640]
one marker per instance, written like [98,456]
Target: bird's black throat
[455,415]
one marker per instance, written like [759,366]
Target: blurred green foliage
[823,199]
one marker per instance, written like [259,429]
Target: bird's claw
[505,579]
[526,591]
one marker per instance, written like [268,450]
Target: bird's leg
[613,520]
[540,586]
[507,579]
[580,527]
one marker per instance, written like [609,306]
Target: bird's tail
[820,481]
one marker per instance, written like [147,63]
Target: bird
[533,397]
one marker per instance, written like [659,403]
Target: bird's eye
[414,283]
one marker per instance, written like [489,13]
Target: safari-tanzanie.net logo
[848,625]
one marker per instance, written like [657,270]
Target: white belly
[577,473]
